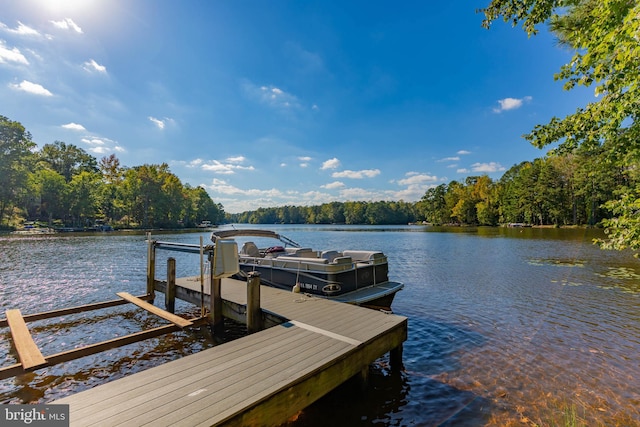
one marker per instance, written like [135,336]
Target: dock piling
[395,359]
[170,293]
[254,312]
[151,268]
[216,321]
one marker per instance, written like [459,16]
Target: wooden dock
[260,379]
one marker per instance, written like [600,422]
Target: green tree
[68,160]
[604,37]
[83,196]
[354,212]
[53,190]
[485,198]
[433,207]
[15,159]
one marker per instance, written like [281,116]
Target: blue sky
[270,103]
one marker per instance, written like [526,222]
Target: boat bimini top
[226,234]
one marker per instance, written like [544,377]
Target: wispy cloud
[159,123]
[74,126]
[33,88]
[271,95]
[331,164]
[67,24]
[511,103]
[463,152]
[367,173]
[450,159]
[92,65]
[11,55]
[20,30]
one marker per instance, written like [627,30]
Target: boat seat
[299,260]
[365,256]
[342,260]
[250,249]
[301,252]
[330,255]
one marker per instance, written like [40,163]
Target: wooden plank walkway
[260,379]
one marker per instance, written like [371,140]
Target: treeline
[63,185]
[331,213]
[556,190]
[561,189]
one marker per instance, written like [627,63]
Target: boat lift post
[223,262]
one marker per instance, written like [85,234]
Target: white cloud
[331,164]
[367,173]
[450,159]
[511,103]
[11,55]
[463,152]
[238,159]
[487,167]
[67,24]
[463,170]
[157,122]
[99,145]
[74,126]
[333,185]
[222,187]
[22,30]
[304,159]
[415,178]
[228,168]
[29,87]
[161,123]
[92,65]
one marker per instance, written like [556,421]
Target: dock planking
[260,379]
[176,320]
[28,352]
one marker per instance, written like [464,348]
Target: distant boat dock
[302,348]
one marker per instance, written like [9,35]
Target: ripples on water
[506,326]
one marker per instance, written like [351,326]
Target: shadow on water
[422,394]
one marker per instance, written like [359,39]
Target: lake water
[506,326]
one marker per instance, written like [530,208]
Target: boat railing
[183,247]
[301,263]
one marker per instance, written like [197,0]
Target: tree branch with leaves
[605,37]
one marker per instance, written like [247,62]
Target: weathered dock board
[28,352]
[260,379]
[176,320]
